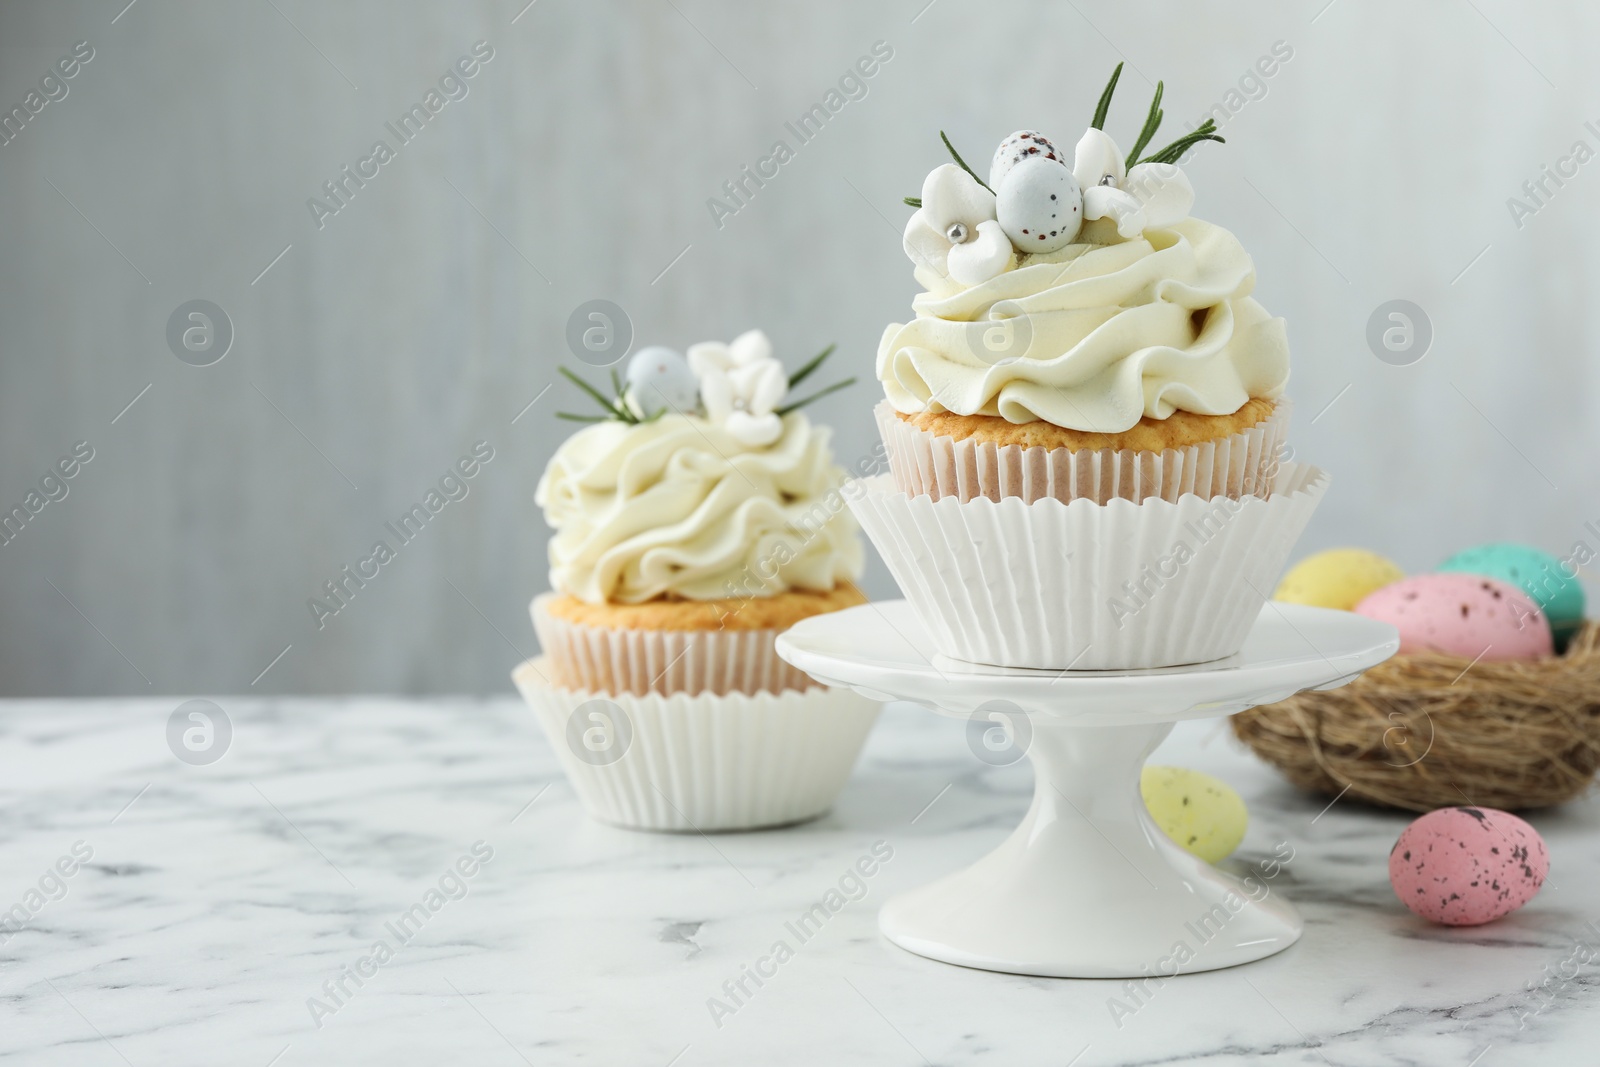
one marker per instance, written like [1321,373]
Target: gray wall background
[1376,164]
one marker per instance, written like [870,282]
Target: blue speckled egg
[1539,574]
[1039,205]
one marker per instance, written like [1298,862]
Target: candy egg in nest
[1551,583]
[1039,205]
[1467,866]
[1337,578]
[1461,615]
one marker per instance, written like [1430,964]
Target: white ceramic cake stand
[1087,886]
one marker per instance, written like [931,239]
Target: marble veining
[231,913]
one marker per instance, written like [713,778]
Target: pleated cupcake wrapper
[1085,586]
[662,661]
[706,762]
[924,463]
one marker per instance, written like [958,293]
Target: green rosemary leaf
[581,418]
[913,201]
[613,409]
[1174,151]
[587,388]
[1208,126]
[1152,123]
[621,402]
[961,162]
[1203,132]
[834,388]
[816,361]
[1099,122]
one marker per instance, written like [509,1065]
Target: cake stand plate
[1088,886]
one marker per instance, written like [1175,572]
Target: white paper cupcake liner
[661,661]
[1087,586]
[706,762]
[924,463]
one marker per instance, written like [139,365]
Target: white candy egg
[660,378]
[1024,144]
[1039,205]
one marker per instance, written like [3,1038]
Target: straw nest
[1426,731]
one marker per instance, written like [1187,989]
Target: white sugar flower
[1149,196]
[741,385]
[954,232]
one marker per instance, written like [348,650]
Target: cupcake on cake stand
[1087,503]
[1087,886]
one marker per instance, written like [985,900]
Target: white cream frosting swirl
[678,506]
[1113,332]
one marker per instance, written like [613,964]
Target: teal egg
[1549,582]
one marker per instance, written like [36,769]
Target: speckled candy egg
[1462,615]
[1467,866]
[659,377]
[1039,205]
[1200,814]
[1542,576]
[1338,578]
[1024,144]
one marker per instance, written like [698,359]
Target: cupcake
[1083,342]
[1080,334]
[698,517]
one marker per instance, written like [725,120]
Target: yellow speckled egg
[1338,578]
[1200,814]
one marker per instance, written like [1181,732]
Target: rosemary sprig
[805,372]
[798,404]
[581,418]
[960,163]
[1152,123]
[1206,131]
[1104,106]
[916,201]
[615,409]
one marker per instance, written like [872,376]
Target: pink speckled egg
[1463,615]
[1467,866]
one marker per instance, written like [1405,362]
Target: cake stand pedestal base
[1088,886]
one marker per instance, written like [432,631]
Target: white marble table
[219,899]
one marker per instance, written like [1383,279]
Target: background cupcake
[697,519]
[1085,418]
